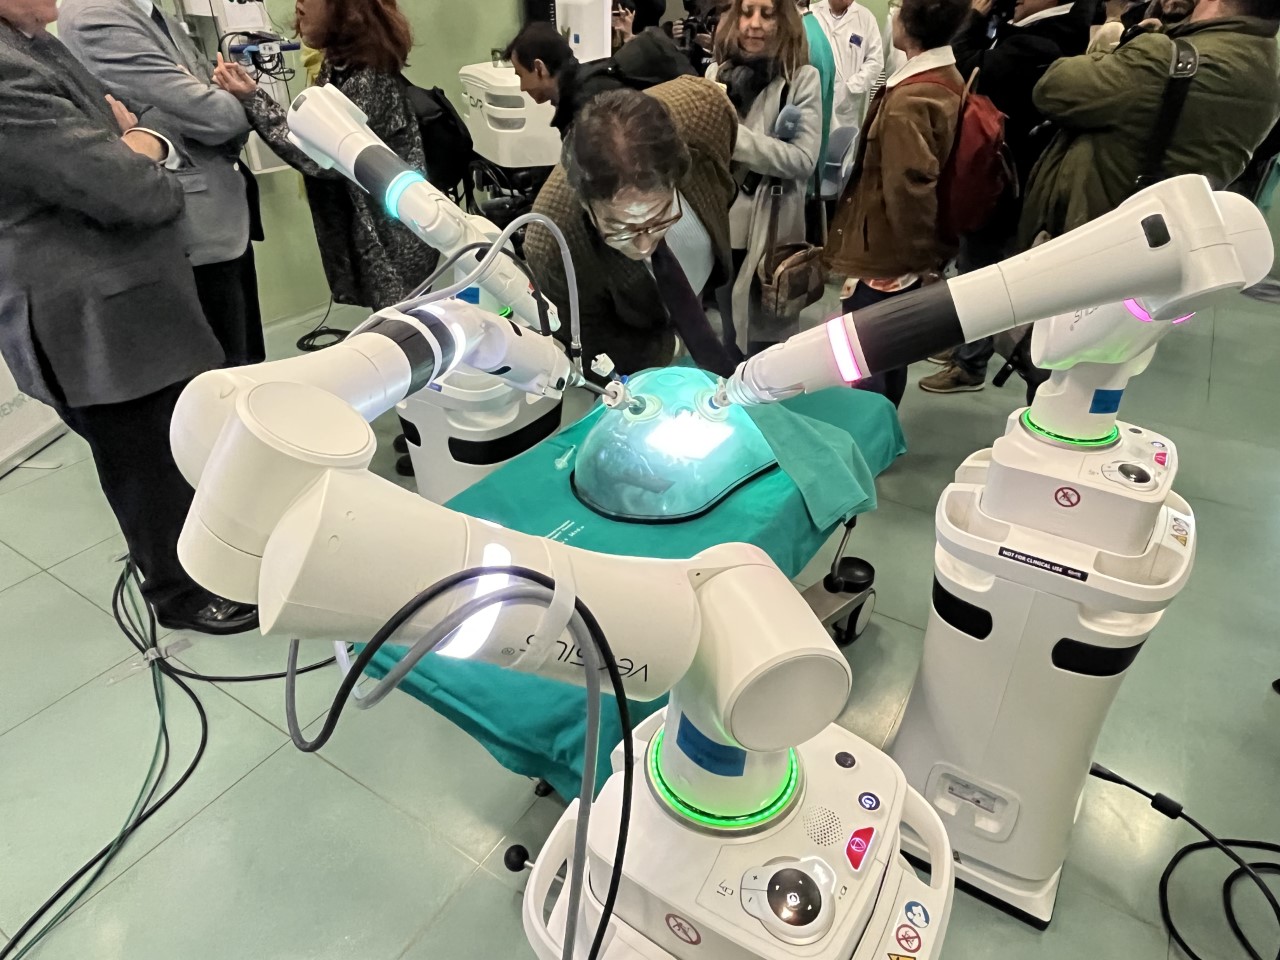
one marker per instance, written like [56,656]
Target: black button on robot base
[846,760]
[1135,473]
[794,897]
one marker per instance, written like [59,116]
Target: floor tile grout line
[76,590]
[430,828]
[19,553]
[18,583]
[439,914]
[229,690]
[115,666]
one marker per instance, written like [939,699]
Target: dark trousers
[982,248]
[887,383]
[229,295]
[150,498]
[973,358]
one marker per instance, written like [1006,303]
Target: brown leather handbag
[790,277]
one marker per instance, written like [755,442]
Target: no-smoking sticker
[908,938]
[683,930]
[1067,497]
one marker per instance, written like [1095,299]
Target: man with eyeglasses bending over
[642,194]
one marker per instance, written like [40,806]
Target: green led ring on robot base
[787,795]
[1110,440]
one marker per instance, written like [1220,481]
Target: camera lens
[794,897]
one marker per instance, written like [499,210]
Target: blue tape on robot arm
[1106,401]
[717,758]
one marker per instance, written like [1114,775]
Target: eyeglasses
[627,234]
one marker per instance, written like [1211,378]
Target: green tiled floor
[388,844]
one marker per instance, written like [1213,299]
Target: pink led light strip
[842,350]
[1137,309]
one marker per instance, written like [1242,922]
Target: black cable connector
[1168,806]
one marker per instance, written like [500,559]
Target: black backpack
[446,141]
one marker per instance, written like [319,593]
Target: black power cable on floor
[1253,871]
[143,638]
[140,631]
[310,341]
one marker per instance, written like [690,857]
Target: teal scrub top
[824,62]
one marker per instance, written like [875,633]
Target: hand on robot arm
[333,132]
[1167,251]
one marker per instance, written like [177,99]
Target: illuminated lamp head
[672,454]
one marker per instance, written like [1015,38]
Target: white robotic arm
[286,515]
[330,129]
[1160,256]
[389,357]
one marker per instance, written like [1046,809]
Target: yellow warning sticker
[898,956]
[1181,538]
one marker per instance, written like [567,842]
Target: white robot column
[1055,561]
[1060,548]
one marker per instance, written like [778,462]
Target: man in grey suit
[144,56]
[98,310]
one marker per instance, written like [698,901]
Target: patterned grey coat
[369,259]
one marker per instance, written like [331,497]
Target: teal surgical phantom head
[671,453]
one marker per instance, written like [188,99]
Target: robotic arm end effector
[1172,248]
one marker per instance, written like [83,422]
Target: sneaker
[942,359]
[952,379]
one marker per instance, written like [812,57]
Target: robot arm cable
[544,319]
[486,265]
[595,651]
[591,740]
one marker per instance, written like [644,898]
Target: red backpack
[978,170]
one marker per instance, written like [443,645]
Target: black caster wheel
[516,859]
[543,789]
[855,625]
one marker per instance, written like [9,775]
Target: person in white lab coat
[855,40]
[894,59]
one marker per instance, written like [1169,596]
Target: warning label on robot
[683,930]
[1049,566]
[908,938]
[1067,497]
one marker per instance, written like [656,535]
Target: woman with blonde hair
[762,61]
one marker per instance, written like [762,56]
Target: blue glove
[788,123]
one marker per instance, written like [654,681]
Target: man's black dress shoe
[219,617]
